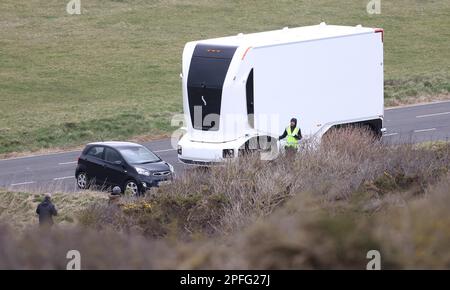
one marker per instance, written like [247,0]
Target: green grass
[112,72]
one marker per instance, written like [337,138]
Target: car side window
[112,155]
[96,151]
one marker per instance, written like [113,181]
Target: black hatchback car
[131,166]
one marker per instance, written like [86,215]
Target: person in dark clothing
[46,210]
[293,134]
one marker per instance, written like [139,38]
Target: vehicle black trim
[207,72]
[375,125]
[196,162]
[250,100]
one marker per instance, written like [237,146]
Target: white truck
[240,92]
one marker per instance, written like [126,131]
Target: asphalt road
[55,172]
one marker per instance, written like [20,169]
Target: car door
[115,170]
[95,165]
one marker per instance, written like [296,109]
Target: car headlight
[171,167]
[142,171]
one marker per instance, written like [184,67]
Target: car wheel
[82,180]
[131,188]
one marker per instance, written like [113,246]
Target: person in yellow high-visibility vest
[293,134]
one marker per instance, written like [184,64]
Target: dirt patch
[416,100]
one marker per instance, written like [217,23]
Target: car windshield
[138,155]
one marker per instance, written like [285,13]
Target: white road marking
[390,134]
[66,163]
[61,178]
[432,115]
[424,130]
[22,183]
[165,150]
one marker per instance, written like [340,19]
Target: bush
[222,199]
[325,207]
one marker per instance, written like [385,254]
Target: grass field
[112,72]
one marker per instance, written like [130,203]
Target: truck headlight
[142,171]
[228,153]
[179,150]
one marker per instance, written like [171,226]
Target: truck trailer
[239,92]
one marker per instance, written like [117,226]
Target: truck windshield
[207,73]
